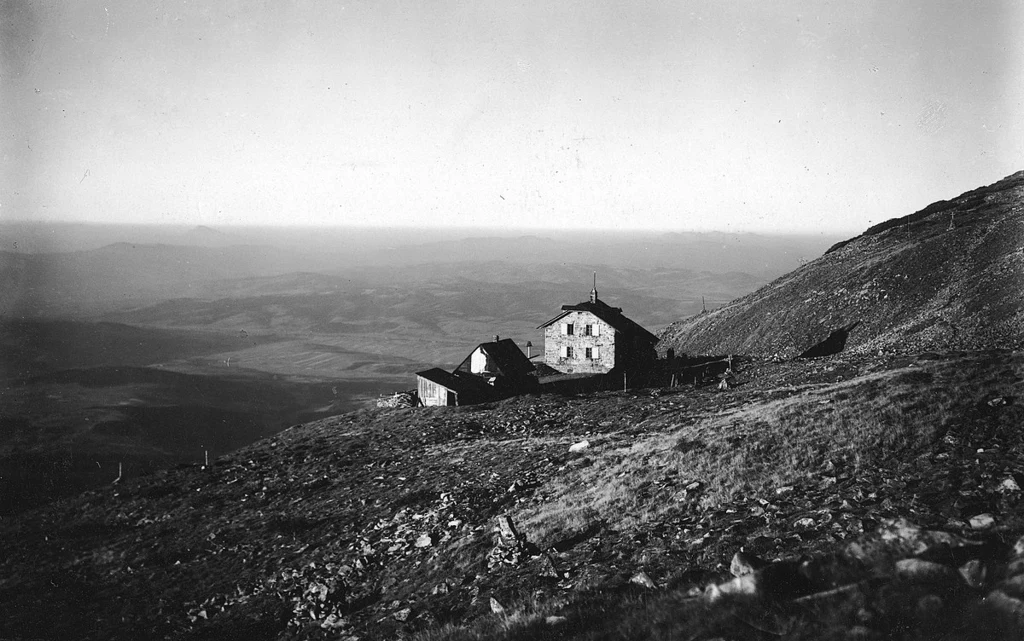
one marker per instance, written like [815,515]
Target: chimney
[496,337]
[593,292]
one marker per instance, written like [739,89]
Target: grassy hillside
[380,524]
[946,277]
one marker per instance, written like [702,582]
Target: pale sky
[817,117]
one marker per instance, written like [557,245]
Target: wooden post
[623,380]
[507,530]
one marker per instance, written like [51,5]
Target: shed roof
[454,381]
[611,315]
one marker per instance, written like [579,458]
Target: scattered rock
[496,607]
[579,447]
[935,574]
[974,573]
[643,580]
[743,564]
[982,521]
[402,615]
[742,587]
[333,622]
[424,541]
[1009,484]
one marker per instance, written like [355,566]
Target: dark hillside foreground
[883,493]
[950,276]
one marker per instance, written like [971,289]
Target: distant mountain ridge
[950,276]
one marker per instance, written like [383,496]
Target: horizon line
[503,230]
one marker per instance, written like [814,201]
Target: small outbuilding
[492,371]
[435,386]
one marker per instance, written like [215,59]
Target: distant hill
[765,256]
[203,236]
[126,273]
[947,277]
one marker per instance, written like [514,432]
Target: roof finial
[593,292]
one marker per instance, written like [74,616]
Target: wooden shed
[435,386]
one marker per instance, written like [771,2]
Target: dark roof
[611,315]
[454,382]
[511,360]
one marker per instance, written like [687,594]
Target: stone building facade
[593,337]
[580,342]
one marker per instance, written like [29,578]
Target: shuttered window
[595,352]
[596,329]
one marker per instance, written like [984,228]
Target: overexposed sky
[818,117]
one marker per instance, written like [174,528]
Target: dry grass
[751,450]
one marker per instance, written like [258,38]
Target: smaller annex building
[492,371]
[593,337]
[436,386]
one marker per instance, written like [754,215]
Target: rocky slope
[950,276]
[627,507]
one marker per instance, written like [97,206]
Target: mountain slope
[947,277]
[378,524]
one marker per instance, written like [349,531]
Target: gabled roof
[611,315]
[510,360]
[454,382]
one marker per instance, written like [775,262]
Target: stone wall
[554,340]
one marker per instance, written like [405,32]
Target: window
[589,351]
[588,330]
[568,351]
[569,329]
